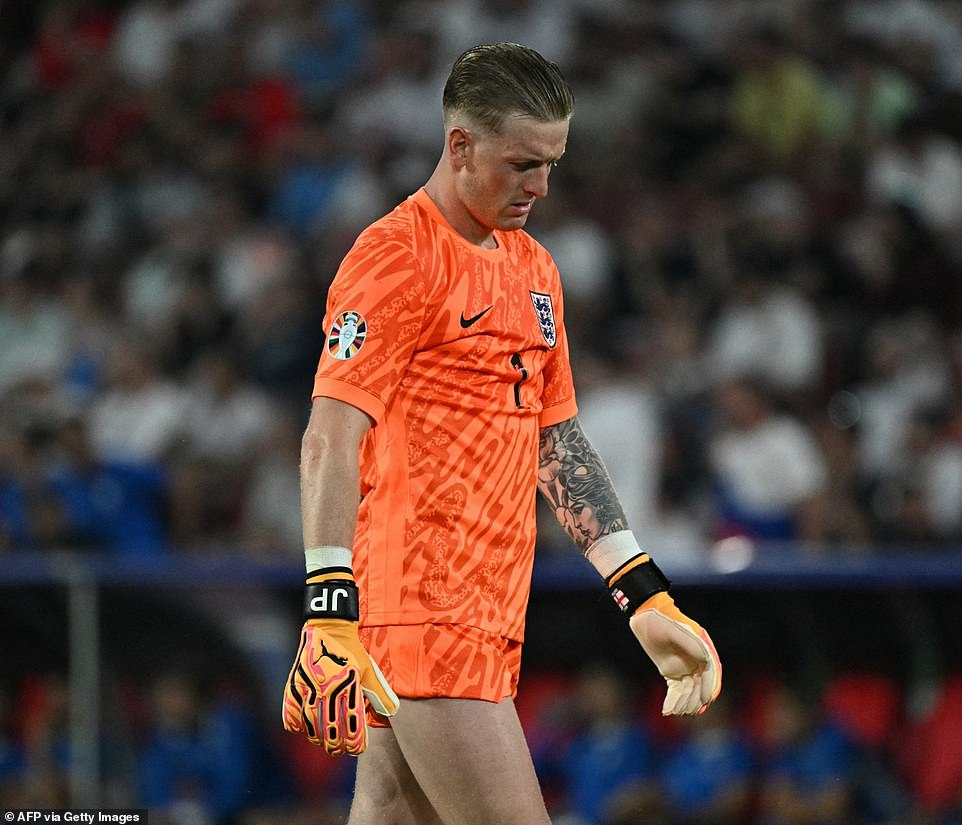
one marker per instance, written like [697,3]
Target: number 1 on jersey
[518,364]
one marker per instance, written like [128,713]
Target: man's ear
[459,146]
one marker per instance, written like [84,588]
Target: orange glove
[680,648]
[332,672]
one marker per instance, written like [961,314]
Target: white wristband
[317,558]
[610,552]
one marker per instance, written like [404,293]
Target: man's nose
[536,183]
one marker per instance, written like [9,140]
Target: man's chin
[513,223]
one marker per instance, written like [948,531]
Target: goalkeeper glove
[332,673]
[680,648]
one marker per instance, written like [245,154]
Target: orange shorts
[456,661]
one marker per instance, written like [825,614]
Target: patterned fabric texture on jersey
[458,354]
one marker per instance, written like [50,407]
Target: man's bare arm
[573,479]
[330,473]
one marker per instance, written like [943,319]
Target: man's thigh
[386,792]
[468,758]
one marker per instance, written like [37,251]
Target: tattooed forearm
[573,479]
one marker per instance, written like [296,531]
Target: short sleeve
[373,321]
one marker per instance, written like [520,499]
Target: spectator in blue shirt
[609,769]
[196,764]
[706,777]
[808,770]
[31,517]
[112,505]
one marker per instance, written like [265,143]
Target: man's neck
[444,197]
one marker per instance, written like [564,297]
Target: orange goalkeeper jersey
[458,354]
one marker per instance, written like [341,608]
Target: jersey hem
[557,413]
[327,387]
[406,619]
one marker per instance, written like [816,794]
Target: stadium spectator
[226,417]
[328,48]
[932,481]
[610,766]
[871,95]
[767,330]
[31,518]
[272,509]
[177,148]
[197,763]
[845,521]
[906,371]
[778,102]
[707,776]
[146,39]
[109,505]
[43,709]
[33,326]
[139,414]
[768,472]
[149,147]
[807,766]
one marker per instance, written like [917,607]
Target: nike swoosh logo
[466,322]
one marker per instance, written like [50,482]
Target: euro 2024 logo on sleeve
[545,311]
[347,335]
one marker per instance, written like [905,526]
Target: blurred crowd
[758,223]
[772,754]
[769,752]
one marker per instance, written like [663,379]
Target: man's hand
[332,672]
[680,648]
[683,653]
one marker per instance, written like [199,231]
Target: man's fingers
[344,726]
[332,676]
[713,674]
[684,655]
[678,696]
[378,692]
[707,693]
[292,718]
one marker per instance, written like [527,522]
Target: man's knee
[385,790]
[387,803]
[377,789]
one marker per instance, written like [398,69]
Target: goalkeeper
[443,403]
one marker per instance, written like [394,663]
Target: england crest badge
[545,311]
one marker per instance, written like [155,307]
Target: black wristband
[631,590]
[334,599]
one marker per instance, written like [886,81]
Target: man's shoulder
[398,225]
[407,228]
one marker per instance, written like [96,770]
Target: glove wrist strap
[636,581]
[332,598]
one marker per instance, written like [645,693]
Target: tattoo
[573,479]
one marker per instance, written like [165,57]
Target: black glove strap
[639,584]
[335,599]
